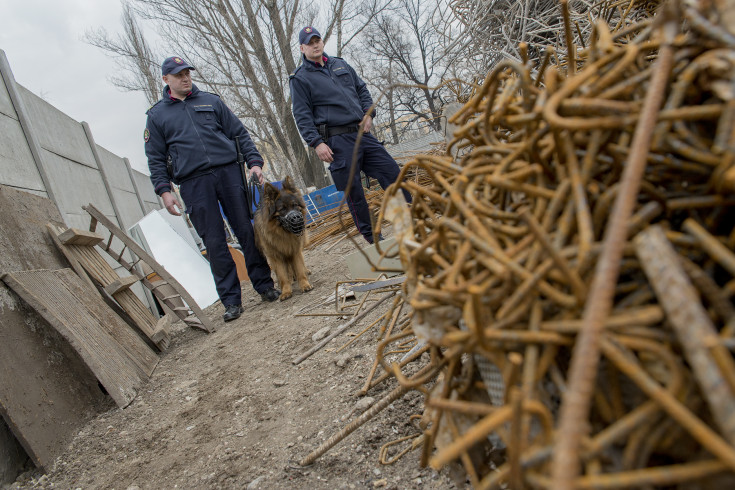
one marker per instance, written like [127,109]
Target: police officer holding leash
[190,140]
[330,105]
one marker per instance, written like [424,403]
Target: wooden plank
[161,332]
[92,263]
[47,394]
[135,348]
[239,258]
[54,230]
[167,295]
[205,323]
[119,361]
[120,284]
[73,236]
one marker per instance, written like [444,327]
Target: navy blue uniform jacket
[333,95]
[197,134]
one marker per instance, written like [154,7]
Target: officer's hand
[366,124]
[172,204]
[324,153]
[258,173]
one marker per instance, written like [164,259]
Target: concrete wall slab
[75,186]
[17,167]
[6,105]
[116,170]
[150,199]
[67,138]
[129,208]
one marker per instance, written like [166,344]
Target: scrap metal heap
[571,270]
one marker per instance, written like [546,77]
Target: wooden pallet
[167,290]
[79,248]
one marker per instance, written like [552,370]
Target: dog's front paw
[285,295]
[306,286]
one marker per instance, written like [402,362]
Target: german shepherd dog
[279,234]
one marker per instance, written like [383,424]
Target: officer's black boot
[232,312]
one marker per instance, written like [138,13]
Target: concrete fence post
[101,167]
[22,113]
[135,185]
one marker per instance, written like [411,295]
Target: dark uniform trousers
[372,159]
[201,196]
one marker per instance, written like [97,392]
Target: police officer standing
[330,105]
[190,141]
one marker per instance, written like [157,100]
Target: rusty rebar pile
[330,224]
[576,261]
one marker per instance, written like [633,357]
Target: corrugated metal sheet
[421,144]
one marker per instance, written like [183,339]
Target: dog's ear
[289,185]
[270,196]
[270,191]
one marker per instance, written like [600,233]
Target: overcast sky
[42,40]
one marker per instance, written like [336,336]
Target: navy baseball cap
[307,33]
[174,64]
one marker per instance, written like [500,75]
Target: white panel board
[156,235]
[180,227]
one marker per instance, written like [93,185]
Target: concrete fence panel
[55,131]
[16,160]
[145,190]
[122,188]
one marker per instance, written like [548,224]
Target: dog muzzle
[293,222]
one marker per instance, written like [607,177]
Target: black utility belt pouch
[322,129]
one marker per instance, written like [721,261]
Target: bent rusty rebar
[575,405]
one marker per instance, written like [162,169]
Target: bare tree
[405,41]
[480,33]
[244,51]
[143,65]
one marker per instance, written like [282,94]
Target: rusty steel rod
[364,417]
[576,401]
[339,330]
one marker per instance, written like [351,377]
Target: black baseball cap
[307,33]
[174,64]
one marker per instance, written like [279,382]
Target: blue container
[321,201]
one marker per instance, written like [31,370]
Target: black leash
[241,163]
[253,188]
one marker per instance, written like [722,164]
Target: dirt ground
[231,410]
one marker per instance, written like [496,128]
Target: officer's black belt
[335,130]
